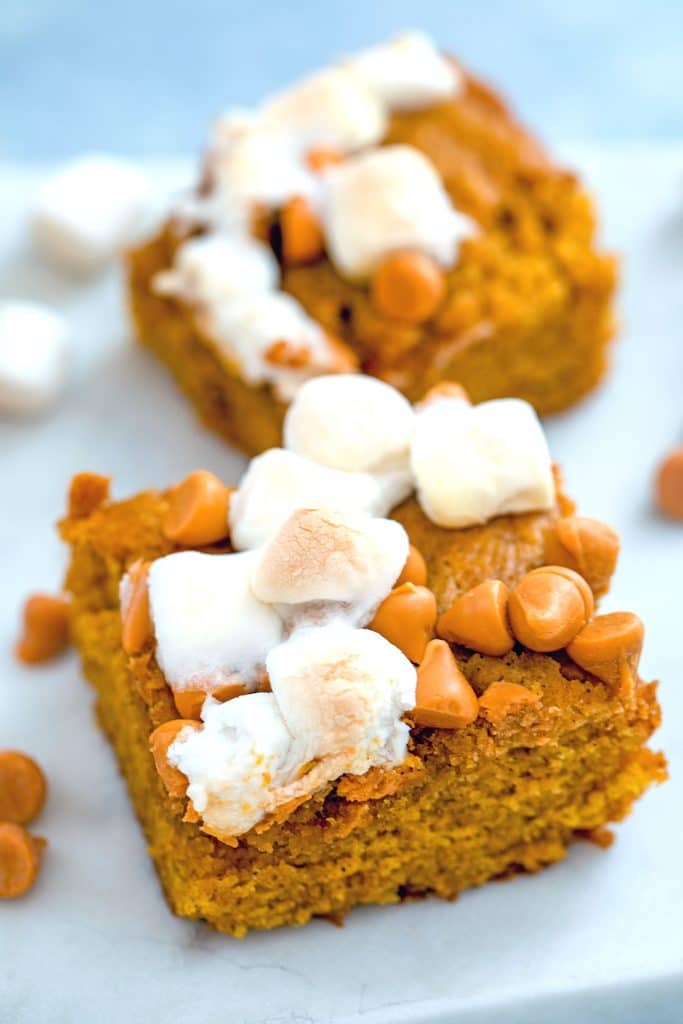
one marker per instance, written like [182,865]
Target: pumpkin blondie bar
[388,213]
[372,670]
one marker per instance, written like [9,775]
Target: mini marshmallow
[333,107]
[407,73]
[387,199]
[34,350]
[350,421]
[279,482]
[321,563]
[472,463]
[89,210]
[214,268]
[233,762]
[210,628]
[258,167]
[341,692]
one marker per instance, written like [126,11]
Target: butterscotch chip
[669,485]
[137,620]
[608,645]
[548,607]
[87,492]
[406,619]
[22,787]
[189,703]
[574,577]
[502,698]
[478,620]
[588,546]
[444,698]
[319,158]
[159,742]
[302,235]
[415,569]
[45,632]
[20,855]
[408,286]
[198,510]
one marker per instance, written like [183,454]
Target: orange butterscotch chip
[159,742]
[502,698]
[444,389]
[288,353]
[608,644]
[22,787]
[548,607]
[198,510]
[588,546]
[408,285]
[302,234]
[478,620]
[319,158]
[189,703]
[20,855]
[87,492]
[137,626]
[415,569]
[406,619]
[444,699]
[669,485]
[45,632]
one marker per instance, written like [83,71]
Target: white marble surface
[597,938]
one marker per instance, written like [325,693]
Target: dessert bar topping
[478,619]
[212,269]
[45,628]
[34,351]
[586,545]
[444,698]
[407,618]
[198,510]
[408,285]
[408,72]
[20,856]
[22,787]
[548,607]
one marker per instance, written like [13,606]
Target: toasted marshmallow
[387,199]
[341,692]
[407,73]
[333,107]
[88,210]
[472,463]
[322,563]
[234,761]
[259,167]
[247,327]
[279,482]
[215,268]
[34,351]
[350,421]
[211,629]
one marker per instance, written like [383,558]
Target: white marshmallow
[34,351]
[387,199]
[407,73]
[472,463]
[341,692]
[278,483]
[88,210]
[234,761]
[246,327]
[210,628]
[332,107]
[350,421]
[259,167]
[322,563]
[214,268]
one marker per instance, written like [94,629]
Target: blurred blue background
[146,77]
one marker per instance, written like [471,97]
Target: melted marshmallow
[213,268]
[258,167]
[278,483]
[387,199]
[210,628]
[322,563]
[472,463]
[407,73]
[34,351]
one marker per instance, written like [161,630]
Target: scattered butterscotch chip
[137,626]
[588,546]
[87,492]
[669,485]
[302,235]
[406,619]
[501,698]
[444,698]
[45,632]
[445,389]
[189,703]
[548,607]
[198,510]
[287,353]
[159,742]
[20,856]
[408,286]
[478,620]
[22,787]
[319,158]
[414,571]
[607,645]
